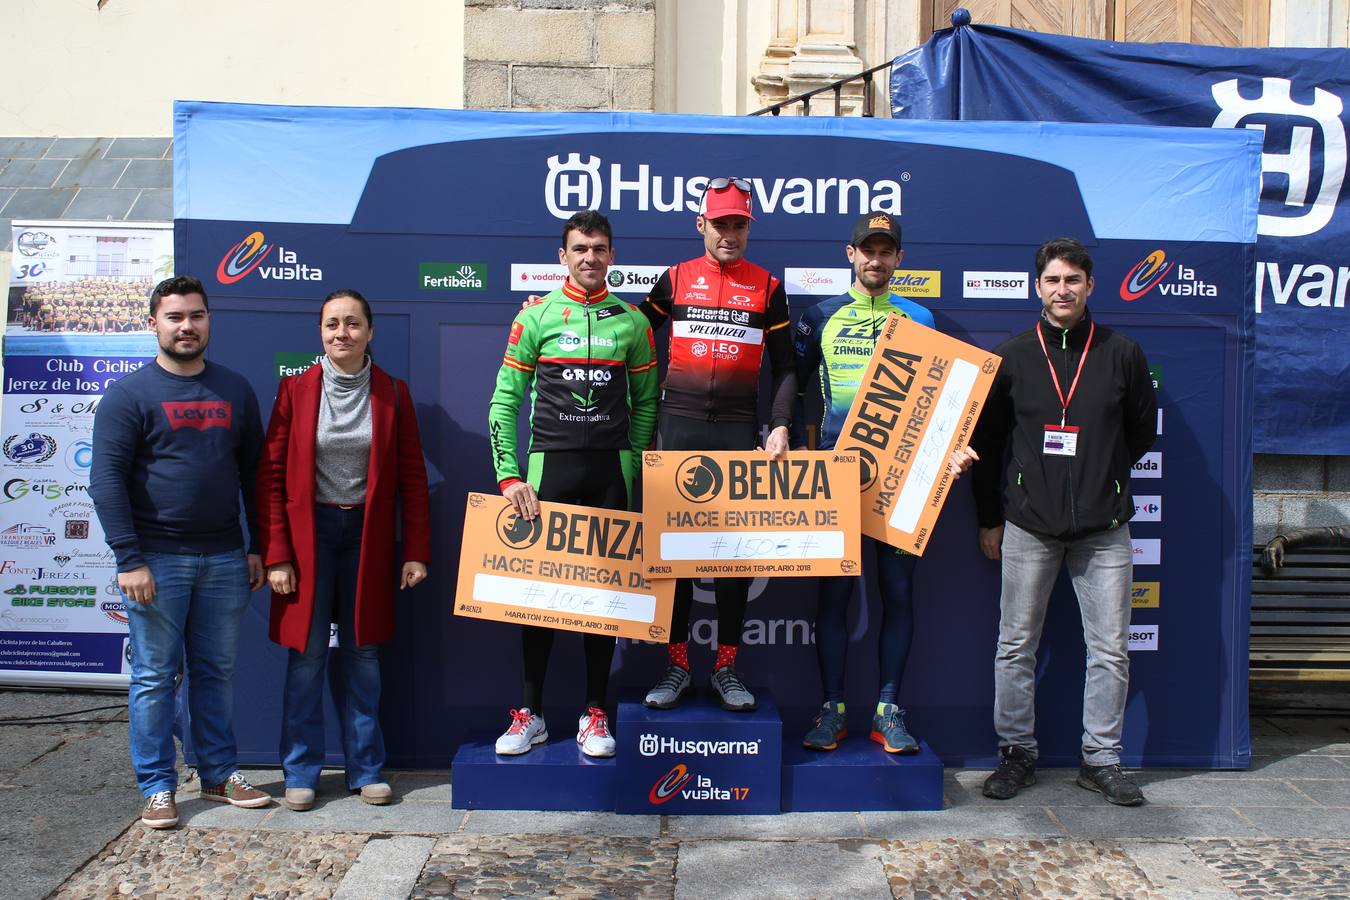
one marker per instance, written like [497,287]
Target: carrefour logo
[249,254]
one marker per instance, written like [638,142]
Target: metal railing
[869,104]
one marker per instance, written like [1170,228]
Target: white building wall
[76,70]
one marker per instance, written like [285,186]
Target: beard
[182,356]
[874,281]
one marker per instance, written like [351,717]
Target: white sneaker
[526,730]
[593,733]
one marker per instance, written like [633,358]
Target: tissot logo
[992,285]
[575,183]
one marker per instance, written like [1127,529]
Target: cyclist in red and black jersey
[724,313]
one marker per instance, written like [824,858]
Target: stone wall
[559,54]
[1299,491]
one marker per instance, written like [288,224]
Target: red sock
[726,656]
[679,654]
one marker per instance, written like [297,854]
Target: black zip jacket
[1114,408]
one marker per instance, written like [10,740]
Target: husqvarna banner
[448,219]
[1294,98]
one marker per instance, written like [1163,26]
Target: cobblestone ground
[1004,868]
[548,866]
[1318,869]
[192,862]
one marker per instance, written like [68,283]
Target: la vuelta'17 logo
[243,258]
[669,785]
[1145,275]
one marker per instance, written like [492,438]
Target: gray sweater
[342,445]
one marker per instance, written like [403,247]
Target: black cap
[872,223]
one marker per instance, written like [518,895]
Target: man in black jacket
[1070,413]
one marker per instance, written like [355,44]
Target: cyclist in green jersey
[588,361]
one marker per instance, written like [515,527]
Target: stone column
[559,54]
[813,46]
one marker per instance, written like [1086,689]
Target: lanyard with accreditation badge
[1062,439]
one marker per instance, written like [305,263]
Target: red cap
[727,201]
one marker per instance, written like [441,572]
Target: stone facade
[559,54]
[1299,491]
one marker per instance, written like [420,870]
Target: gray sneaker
[732,691]
[670,690]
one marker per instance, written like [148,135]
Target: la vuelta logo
[243,258]
[250,253]
[1146,273]
[1151,271]
[669,785]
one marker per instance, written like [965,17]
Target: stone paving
[1279,830]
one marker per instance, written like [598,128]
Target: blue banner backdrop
[1293,97]
[447,219]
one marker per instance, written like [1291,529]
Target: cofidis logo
[249,255]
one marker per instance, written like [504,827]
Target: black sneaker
[1016,770]
[1110,782]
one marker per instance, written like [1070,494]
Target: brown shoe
[377,794]
[160,811]
[236,791]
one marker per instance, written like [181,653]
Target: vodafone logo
[668,785]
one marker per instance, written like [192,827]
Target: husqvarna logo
[1311,205]
[573,185]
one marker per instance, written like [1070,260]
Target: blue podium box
[698,759]
[859,775]
[555,776]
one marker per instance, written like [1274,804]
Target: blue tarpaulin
[1294,97]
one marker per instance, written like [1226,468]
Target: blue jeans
[895,581]
[1101,566]
[199,603]
[337,561]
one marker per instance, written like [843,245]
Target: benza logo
[1296,165]
[574,184]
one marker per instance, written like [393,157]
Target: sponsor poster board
[920,397]
[62,619]
[574,568]
[85,277]
[742,514]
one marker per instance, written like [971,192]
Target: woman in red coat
[341,443]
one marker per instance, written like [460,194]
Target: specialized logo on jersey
[518,533]
[699,479]
[243,258]
[198,414]
[669,784]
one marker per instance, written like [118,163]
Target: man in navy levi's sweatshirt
[176,447]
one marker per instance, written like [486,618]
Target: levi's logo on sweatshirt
[198,414]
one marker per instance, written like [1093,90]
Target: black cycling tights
[679,433]
[584,478]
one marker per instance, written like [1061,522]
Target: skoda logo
[615,278]
[699,479]
[517,533]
